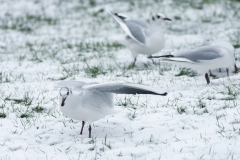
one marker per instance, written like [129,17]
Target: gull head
[159,16]
[64,92]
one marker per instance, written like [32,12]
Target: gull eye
[67,93]
[158,16]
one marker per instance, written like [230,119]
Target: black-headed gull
[142,38]
[92,101]
[210,56]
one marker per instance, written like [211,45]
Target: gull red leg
[212,75]
[90,130]
[83,123]
[235,68]
[135,59]
[207,78]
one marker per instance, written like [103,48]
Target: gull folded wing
[201,53]
[140,23]
[137,32]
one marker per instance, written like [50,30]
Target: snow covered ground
[45,41]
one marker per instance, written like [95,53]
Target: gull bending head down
[211,55]
[142,38]
[90,102]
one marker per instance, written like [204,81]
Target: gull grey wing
[122,22]
[136,32]
[70,84]
[125,88]
[202,53]
[140,23]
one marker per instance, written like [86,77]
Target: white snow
[43,42]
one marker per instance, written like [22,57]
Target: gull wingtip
[164,94]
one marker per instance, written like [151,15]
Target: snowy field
[44,41]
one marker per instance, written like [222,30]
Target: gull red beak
[63,101]
[167,19]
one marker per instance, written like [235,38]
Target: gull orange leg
[83,123]
[207,78]
[235,68]
[135,59]
[227,71]
[212,75]
[90,131]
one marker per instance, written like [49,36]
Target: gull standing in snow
[142,38]
[205,58]
[92,101]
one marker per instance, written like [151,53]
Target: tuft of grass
[26,23]
[236,46]
[92,3]
[109,146]
[16,101]
[181,110]
[4,77]
[132,116]
[201,104]
[95,46]
[231,90]
[38,109]
[151,138]
[102,149]
[3,115]
[94,71]
[187,72]
[92,141]
[164,67]
[114,46]
[27,99]
[205,110]
[120,154]
[91,149]
[126,102]
[25,115]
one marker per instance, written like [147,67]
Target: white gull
[90,102]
